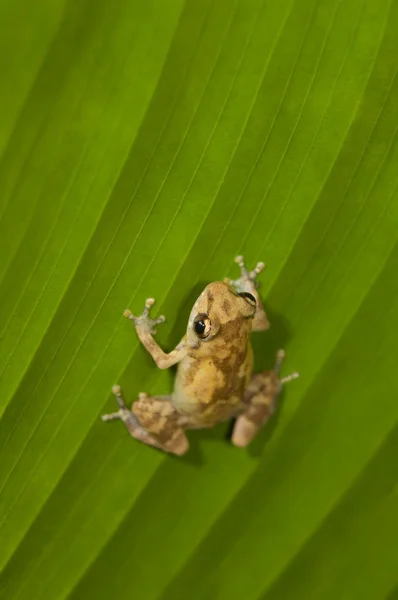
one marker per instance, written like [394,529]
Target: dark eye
[202,326]
[250,299]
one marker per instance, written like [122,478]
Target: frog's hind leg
[129,419]
[260,399]
[153,421]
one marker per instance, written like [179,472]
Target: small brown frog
[214,379]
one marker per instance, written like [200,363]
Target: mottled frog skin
[214,379]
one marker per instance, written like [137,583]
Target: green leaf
[143,145]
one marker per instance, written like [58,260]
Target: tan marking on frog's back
[226,305]
[212,389]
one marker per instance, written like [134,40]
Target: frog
[214,379]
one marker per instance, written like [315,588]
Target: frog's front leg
[145,330]
[260,399]
[152,420]
[248,283]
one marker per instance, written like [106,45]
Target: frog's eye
[202,326]
[250,299]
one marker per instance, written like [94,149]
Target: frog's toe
[117,392]
[240,261]
[260,266]
[158,320]
[129,315]
[111,417]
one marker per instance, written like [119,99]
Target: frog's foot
[144,321]
[280,357]
[248,283]
[153,421]
[247,279]
[162,422]
[123,413]
[129,419]
[260,398]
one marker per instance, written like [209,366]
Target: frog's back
[212,377]
[211,389]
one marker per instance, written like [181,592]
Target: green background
[143,145]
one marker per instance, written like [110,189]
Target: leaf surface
[142,146]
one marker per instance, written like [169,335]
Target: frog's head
[223,313]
